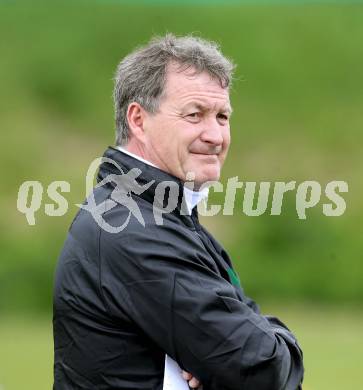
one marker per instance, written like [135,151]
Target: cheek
[227,135]
[168,147]
[226,140]
[161,136]
[185,139]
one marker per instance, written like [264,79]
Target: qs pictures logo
[126,189]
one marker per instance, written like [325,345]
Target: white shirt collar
[192,198]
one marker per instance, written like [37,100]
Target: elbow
[266,363]
[281,369]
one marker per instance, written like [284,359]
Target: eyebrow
[202,107]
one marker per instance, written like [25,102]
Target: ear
[135,118]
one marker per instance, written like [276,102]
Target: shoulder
[138,232]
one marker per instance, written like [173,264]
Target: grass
[26,360]
[330,337]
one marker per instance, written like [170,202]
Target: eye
[223,117]
[194,116]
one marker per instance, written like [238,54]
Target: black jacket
[123,300]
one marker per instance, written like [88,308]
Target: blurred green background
[298,103]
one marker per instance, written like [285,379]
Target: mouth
[205,154]
[208,157]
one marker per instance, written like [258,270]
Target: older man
[126,297]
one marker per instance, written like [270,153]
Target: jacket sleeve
[195,315]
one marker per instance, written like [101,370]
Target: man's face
[190,132]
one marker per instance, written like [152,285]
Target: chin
[206,176]
[205,172]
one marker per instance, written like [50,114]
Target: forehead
[187,87]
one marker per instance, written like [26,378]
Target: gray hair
[141,75]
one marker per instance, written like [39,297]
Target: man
[125,298]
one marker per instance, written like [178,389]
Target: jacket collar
[192,198]
[148,173]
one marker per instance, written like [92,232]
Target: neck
[137,149]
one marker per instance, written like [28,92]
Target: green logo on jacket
[233,277]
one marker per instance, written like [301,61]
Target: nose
[213,133]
